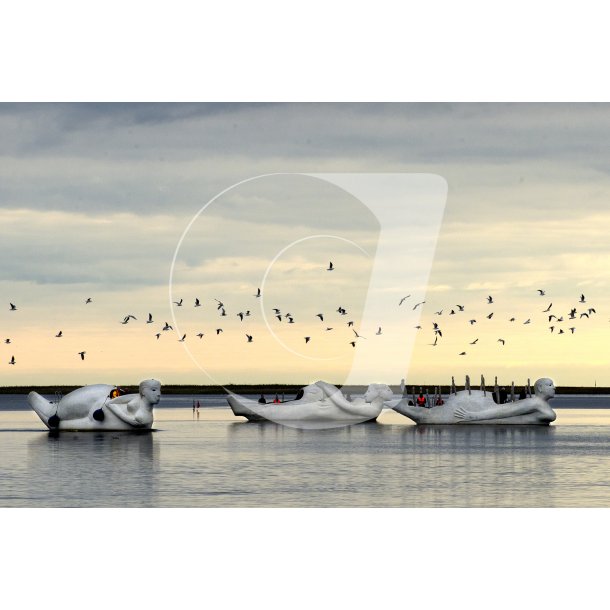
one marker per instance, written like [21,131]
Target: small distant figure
[421,400]
[276,400]
[262,400]
[503,395]
[193,407]
[439,401]
[198,405]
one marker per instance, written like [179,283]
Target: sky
[95,199]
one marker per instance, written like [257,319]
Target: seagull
[220,304]
[438,313]
[158,335]
[452,313]
[178,303]
[502,341]
[438,332]
[197,303]
[474,342]
[249,338]
[127,318]
[561,331]
[403,300]
[277,311]
[542,292]
[591,310]
[7,341]
[150,320]
[183,338]
[357,335]
[321,316]
[218,331]
[418,327]
[350,323]
[582,299]
[59,334]
[341,310]
[241,316]
[352,343]
[472,322]
[527,321]
[586,315]
[247,313]
[13,307]
[329,328]
[290,320]
[418,304]
[512,320]
[489,300]
[552,316]
[435,325]
[548,308]
[435,341]
[560,319]
[88,301]
[258,293]
[330,266]
[12,360]
[462,354]
[552,328]
[378,331]
[82,355]
[279,318]
[460,307]
[490,315]
[572,328]
[200,335]
[223,312]
[307,339]
[167,327]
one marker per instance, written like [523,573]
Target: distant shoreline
[276,389]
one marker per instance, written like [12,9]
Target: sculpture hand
[463,414]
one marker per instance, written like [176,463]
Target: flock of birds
[554,320]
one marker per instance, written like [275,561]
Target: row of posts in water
[527,390]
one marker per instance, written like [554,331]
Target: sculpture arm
[521,407]
[129,412]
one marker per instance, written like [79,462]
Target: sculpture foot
[53,422]
[98,415]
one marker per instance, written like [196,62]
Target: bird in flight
[241,315]
[561,331]
[258,293]
[290,319]
[357,335]
[220,304]
[591,310]
[474,342]
[82,355]
[547,309]
[13,307]
[512,320]
[350,323]
[472,322]
[158,335]
[490,315]
[218,331]
[542,292]
[223,312]
[490,299]
[585,315]
[527,321]
[12,360]
[59,334]
[329,328]
[403,300]
[435,342]
[167,327]
[378,331]
[330,266]
[88,301]
[552,328]
[197,303]
[307,339]
[418,304]
[200,335]
[342,311]
[150,320]
[7,341]
[462,354]
[127,318]
[182,339]
[502,341]
[572,328]
[582,299]
[249,338]
[438,313]
[321,316]
[279,317]
[460,307]
[352,343]
[179,303]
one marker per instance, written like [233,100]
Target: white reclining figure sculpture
[92,408]
[476,408]
[322,403]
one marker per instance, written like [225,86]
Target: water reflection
[93,469]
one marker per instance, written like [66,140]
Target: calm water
[220,460]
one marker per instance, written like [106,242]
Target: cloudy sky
[95,198]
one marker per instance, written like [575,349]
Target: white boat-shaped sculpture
[476,407]
[321,405]
[93,407]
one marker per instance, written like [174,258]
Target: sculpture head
[544,388]
[150,390]
[378,390]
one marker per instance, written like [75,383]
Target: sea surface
[215,459]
